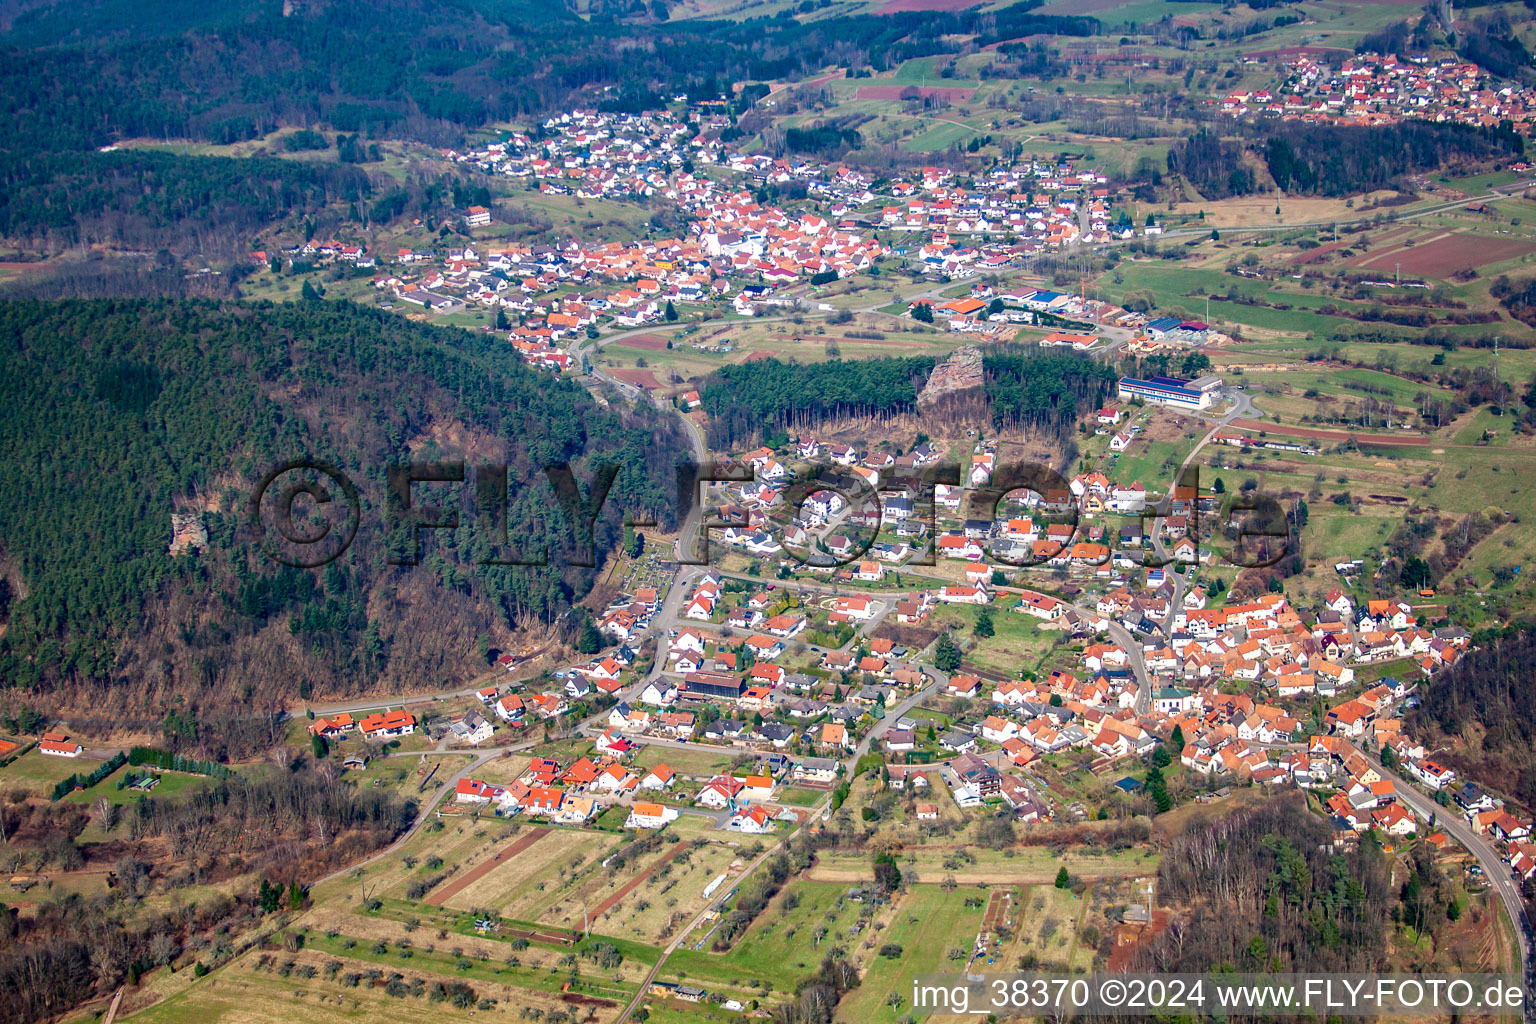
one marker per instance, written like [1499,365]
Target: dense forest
[124,412]
[1333,160]
[1043,393]
[1487,700]
[1398,37]
[1266,892]
[1214,165]
[750,400]
[151,200]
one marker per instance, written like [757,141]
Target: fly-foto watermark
[307,512]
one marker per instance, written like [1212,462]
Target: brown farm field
[640,378]
[1445,255]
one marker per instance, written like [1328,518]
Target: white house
[649,815]
[658,778]
[660,693]
[753,820]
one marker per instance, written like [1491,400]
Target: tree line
[1046,392]
[746,401]
[143,199]
[289,825]
[1268,891]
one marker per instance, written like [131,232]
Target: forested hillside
[1332,160]
[124,412]
[1485,707]
[423,68]
[1266,893]
[149,200]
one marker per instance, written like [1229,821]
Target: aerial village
[1089,636]
[739,253]
[800,672]
[1375,89]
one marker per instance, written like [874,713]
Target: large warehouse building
[1192,395]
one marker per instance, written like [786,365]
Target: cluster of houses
[594,154]
[575,793]
[1364,800]
[1001,218]
[1055,527]
[1377,89]
[1266,640]
[561,294]
[379,725]
[1185,648]
[1015,536]
[318,253]
[1012,212]
[734,247]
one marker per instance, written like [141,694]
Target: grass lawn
[929,924]
[37,772]
[940,136]
[170,784]
[564,751]
[780,947]
[245,992]
[684,760]
[796,797]
[1017,643]
[613,818]
[443,962]
[1151,462]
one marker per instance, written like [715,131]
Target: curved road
[1494,868]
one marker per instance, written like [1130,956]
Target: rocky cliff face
[960,373]
[955,395]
